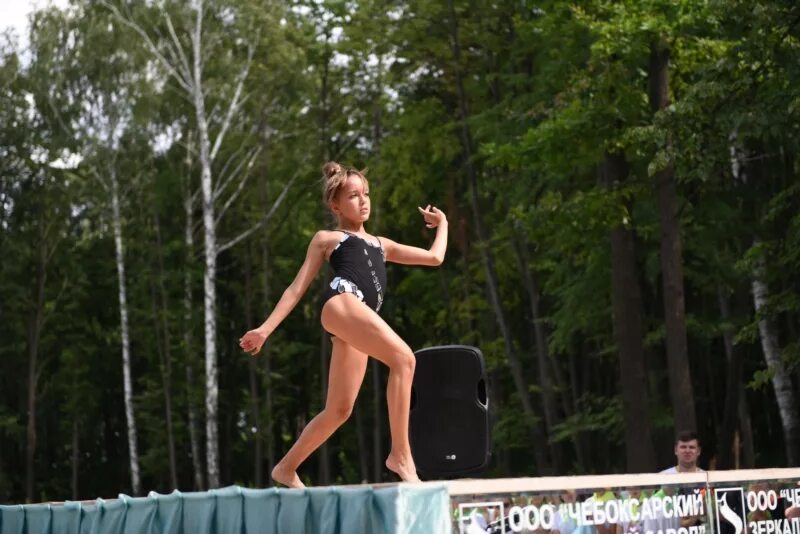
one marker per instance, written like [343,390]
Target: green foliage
[593,415]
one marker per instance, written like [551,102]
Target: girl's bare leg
[346,373]
[356,324]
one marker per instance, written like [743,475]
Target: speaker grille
[449,418]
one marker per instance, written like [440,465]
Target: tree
[186,66]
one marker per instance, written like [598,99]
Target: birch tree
[770,344]
[188,339]
[94,113]
[112,186]
[183,55]
[106,120]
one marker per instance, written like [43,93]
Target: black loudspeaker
[449,419]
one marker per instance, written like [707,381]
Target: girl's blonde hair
[334,177]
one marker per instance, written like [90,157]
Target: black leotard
[358,268]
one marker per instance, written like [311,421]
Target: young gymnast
[350,314]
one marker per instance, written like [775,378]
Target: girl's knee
[406,362]
[339,412]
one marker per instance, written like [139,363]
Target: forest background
[620,177]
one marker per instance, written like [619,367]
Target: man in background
[687,451]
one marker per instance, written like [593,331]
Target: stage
[723,502]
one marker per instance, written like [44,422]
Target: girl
[350,314]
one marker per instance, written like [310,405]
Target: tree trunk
[166,355]
[736,431]
[34,337]
[734,390]
[194,433]
[30,444]
[123,319]
[626,303]
[189,76]
[747,460]
[255,407]
[781,380]
[744,436]
[76,457]
[268,405]
[363,465]
[157,332]
[210,322]
[266,355]
[211,251]
[542,351]
[255,400]
[514,362]
[680,380]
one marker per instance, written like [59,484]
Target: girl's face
[352,200]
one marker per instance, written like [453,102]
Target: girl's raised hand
[433,216]
[252,341]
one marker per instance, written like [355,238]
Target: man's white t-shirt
[674,470]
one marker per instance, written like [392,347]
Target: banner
[730,502]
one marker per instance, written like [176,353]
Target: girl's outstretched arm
[253,340]
[397,253]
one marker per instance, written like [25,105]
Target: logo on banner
[481,518]
[730,510]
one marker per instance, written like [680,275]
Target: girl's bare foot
[286,477]
[404,468]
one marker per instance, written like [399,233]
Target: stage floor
[724,502]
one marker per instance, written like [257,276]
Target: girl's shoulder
[327,235]
[326,239]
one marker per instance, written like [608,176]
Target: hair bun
[331,169]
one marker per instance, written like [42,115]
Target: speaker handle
[482,393]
